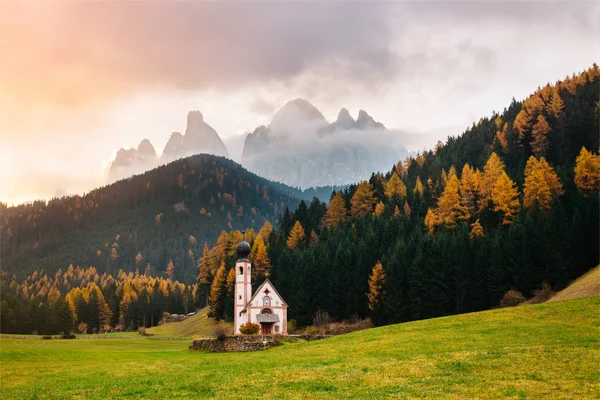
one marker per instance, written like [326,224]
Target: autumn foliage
[363,200]
[296,236]
[587,171]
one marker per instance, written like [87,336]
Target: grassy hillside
[197,325]
[587,285]
[548,350]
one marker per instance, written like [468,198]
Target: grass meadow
[197,325]
[548,350]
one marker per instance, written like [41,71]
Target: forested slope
[144,221]
[509,204]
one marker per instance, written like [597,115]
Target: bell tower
[243,285]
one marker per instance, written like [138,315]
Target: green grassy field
[547,350]
[197,325]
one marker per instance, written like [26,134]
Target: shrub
[542,294]
[512,298]
[82,327]
[220,332]
[276,340]
[339,328]
[311,330]
[292,326]
[69,335]
[249,329]
[47,337]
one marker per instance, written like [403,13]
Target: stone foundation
[233,343]
[245,343]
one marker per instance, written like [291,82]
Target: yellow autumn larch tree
[401,170]
[539,133]
[261,261]
[265,231]
[450,207]
[336,211]
[296,236]
[493,169]
[376,288]
[469,187]
[395,188]
[557,104]
[170,272]
[363,200]
[432,220]
[476,230]
[505,198]
[379,208]
[216,289]
[418,190]
[406,209]
[541,184]
[587,172]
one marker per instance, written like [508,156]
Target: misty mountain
[199,138]
[301,148]
[133,161]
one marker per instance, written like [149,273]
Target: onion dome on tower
[243,250]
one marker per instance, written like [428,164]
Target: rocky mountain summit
[300,148]
[199,138]
[134,161]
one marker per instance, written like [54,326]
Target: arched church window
[241,270]
[266,311]
[266,301]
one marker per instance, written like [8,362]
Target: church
[265,307]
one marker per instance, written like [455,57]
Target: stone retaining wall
[232,343]
[245,343]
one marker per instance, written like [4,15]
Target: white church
[265,307]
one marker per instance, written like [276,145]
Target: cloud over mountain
[300,148]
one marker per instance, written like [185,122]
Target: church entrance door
[266,328]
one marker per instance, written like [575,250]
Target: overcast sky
[78,80]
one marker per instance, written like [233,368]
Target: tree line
[85,301]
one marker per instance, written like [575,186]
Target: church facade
[265,307]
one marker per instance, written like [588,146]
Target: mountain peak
[364,120]
[194,117]
[199,137]
[175,136]
[344,120]
[296,112]
[146,148]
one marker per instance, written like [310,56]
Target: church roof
[243,250]
[260,288]
[268,318]
[258,291]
